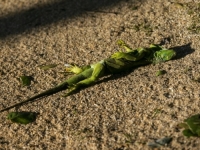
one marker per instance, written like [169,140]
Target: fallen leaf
[26,80]
[46,67]
[22,117]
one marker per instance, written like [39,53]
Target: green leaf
[22,117]
[191,126]
[183,125]
[26,80]
[46,67]
[188,133]
[160,72]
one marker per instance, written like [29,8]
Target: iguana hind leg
[122,44]
[98,71]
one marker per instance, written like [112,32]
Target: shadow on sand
[41,15]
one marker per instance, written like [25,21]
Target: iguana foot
[73,69]
[124,45]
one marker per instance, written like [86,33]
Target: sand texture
[122,113]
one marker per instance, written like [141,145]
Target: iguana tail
[54,90]
[63,86]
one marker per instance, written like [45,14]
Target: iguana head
[164,55]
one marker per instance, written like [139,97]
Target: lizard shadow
[181,52]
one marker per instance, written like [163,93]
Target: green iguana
[118,62]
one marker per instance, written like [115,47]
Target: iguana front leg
[124,45]
[75,69]
[98,71]
[130,54]
[134,55]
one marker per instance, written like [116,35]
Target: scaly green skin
[118,62]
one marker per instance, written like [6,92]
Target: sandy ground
[125,112]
